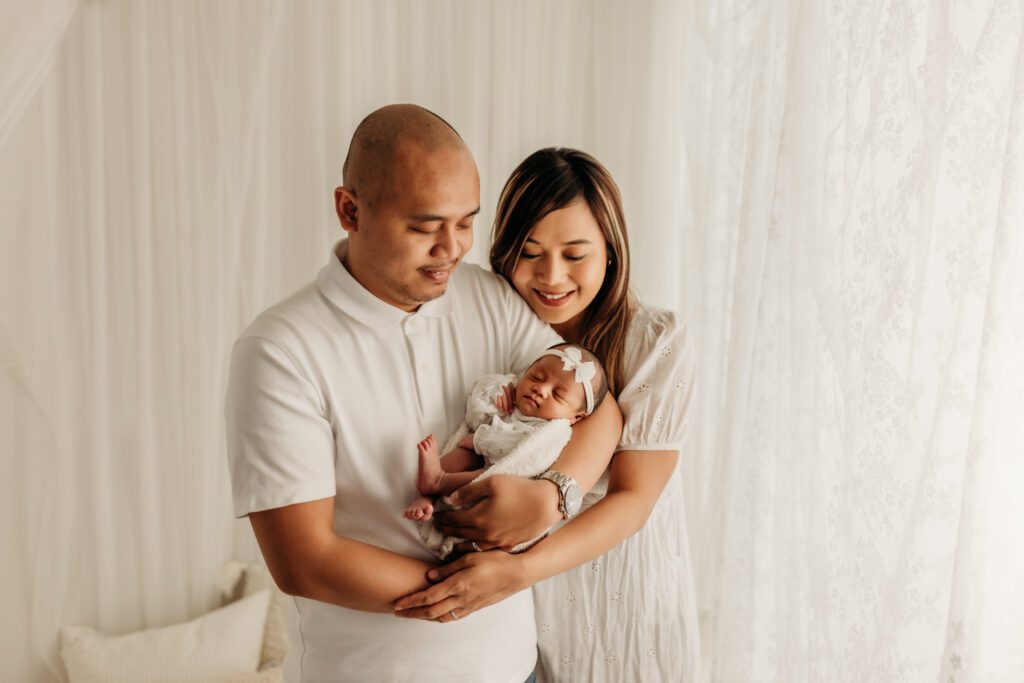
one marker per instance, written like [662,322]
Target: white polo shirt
[329,392]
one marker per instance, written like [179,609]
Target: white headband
[572,359]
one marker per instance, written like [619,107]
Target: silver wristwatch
[569,498]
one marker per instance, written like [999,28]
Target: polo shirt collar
[342,290]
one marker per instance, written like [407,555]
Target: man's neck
[346,262]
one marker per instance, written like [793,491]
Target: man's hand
[501,511]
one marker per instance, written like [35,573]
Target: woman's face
[562,266]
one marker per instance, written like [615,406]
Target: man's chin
[418,298]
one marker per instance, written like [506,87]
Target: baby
[564,385]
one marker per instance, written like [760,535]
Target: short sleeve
[658,394]
[279,444]
[530,334]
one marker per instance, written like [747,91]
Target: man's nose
[446,244]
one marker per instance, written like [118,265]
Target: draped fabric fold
[31,34]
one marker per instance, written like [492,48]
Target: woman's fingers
[437,601]
[466,547]
[473,582]
[417,604]
[449,609]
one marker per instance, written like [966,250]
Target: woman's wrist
[548,501]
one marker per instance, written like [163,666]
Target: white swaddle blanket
[511,444]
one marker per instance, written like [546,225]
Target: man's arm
[307,559]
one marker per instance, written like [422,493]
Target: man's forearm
[307,558]
[359,576]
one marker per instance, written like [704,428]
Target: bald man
[330,390]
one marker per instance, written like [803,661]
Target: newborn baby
[564,385]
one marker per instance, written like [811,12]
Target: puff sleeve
[657,398]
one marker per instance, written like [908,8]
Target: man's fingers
[469,533]
[472,493]
[455,519]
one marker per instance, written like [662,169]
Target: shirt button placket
[425,367]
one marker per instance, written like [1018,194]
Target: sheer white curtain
[31,33]
[830,194]
[852,262]
[172,178]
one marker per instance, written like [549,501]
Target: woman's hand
[473,581]
[501,511]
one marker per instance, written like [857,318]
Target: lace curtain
[852,256]
[830,194]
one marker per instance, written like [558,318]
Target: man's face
[409,241]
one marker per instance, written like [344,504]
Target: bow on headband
[572,359]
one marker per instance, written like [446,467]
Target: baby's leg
[440,476]
[462,457]
[430,474]
[420,510]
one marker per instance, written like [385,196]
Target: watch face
[573,500]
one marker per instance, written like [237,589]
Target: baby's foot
[421,510]
[431,474]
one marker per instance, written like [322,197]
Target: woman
[627,614]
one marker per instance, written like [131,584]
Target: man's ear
[347,205]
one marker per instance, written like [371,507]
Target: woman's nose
[550,270]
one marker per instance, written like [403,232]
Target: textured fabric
[850,266]
[328,394]
[631,614]
[211,648]
[655,400]
[242,580]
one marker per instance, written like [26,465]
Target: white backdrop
[831,194]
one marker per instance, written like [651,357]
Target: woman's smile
[553,299]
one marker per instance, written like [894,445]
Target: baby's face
[547,391]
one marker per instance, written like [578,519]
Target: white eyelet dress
[630,615]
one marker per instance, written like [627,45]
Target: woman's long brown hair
[551,179]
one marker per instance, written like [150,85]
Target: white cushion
[217,646]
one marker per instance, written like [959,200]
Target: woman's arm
[503,511]
[480,579]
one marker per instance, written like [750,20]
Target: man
[331,389]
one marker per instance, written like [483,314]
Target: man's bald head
[369,169]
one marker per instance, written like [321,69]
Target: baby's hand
[507,401]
